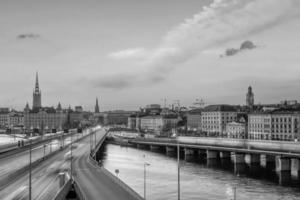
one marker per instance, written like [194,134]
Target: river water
[198,181]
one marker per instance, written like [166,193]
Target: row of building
[259,122]
[154,119]
[42,119]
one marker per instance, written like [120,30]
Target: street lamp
[90,142]
[71,159]
[95,138]
[178,167]
[30,169]
[117,172]
[145,165]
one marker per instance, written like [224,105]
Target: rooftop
[219,108]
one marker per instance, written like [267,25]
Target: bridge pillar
[155,148]
[225,158]
[252,159]
[171,151]
[225,154]
[253,162]
[238,158]
[212,158]
[239,163]
[283,164]
[142,146]
[201,155]
[283,169]
[189,155]
[267,162]
[295,168]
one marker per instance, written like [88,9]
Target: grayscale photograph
[150,99]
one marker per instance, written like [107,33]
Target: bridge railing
[64,190]
[79,191]
[243,144]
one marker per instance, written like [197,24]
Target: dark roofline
[220,108]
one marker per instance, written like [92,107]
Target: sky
[130,53]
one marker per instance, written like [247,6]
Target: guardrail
[62,193]
[79,191]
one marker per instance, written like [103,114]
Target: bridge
[54,177]
[279,156]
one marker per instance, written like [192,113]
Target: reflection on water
[204,180]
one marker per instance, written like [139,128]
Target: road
[45,181]
[94,183]
[11,164]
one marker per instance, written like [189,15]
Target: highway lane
[92,180]
[11,164]
[45,180]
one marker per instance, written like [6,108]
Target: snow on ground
[7,139]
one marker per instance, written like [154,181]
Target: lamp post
[44,151]
[71,163]
[178,169]
[117,171]
[90,142]
[178,165]
[95,138]
[30,169]
[145,165]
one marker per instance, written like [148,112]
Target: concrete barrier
[62,193]
[79,192]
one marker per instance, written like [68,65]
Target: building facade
[131,124]
[194,120]
[274,125]
[158,124]
[16,119]
[4,119]
[45,119]
[215,117]
[118,117]
[236,130]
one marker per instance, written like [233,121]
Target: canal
[198,181]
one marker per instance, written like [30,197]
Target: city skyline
[129,65]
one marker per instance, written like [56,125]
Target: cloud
[247,45]
[220,22]
[28,36]
[129,53]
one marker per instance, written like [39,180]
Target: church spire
[37,96]
[97,110]
[37,87]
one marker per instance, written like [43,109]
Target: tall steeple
[250,98]
[37,94]
[37,87]
[97,110]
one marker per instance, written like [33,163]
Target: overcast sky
[131,53]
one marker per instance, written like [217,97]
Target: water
[197,180]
